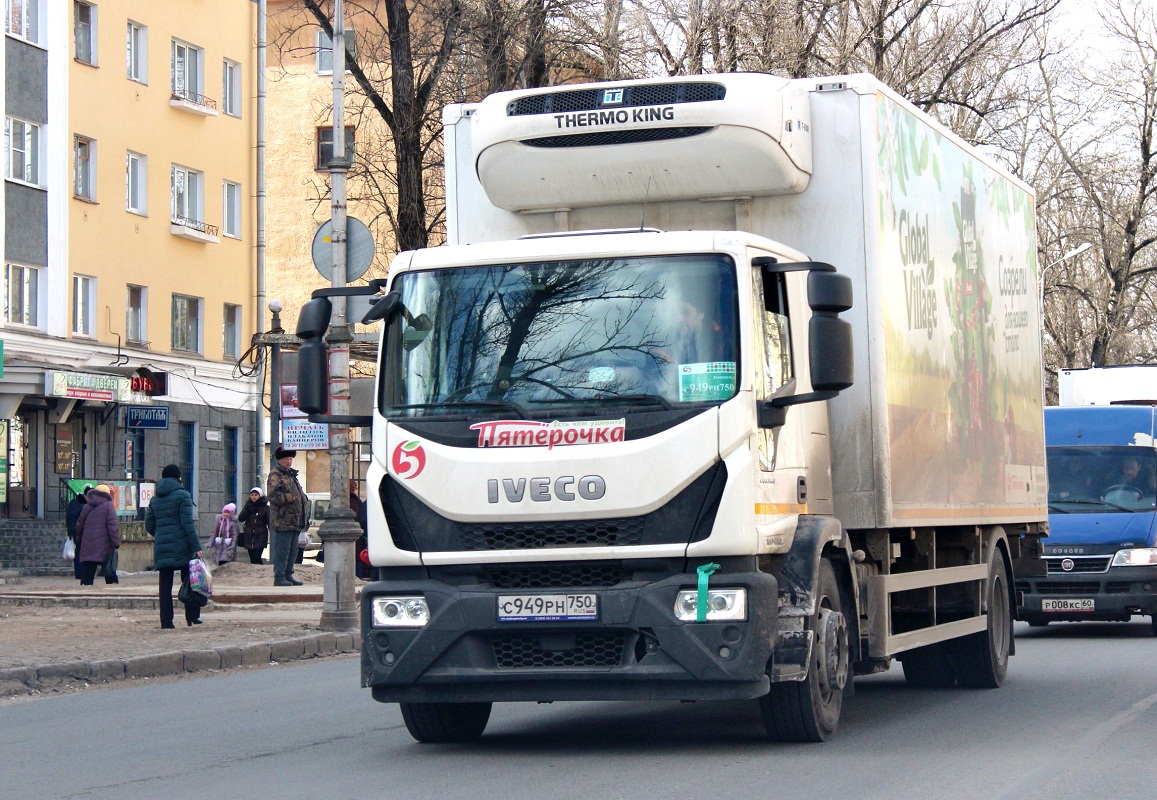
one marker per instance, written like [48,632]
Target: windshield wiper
[1100,503]
[460,404]
[639,399]
[1058,510]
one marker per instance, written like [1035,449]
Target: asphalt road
[1077,719]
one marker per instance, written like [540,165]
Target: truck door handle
[801,490]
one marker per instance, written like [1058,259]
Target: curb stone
[26,680]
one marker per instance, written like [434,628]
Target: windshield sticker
[530,433]
[707,381]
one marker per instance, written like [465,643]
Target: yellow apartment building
[122,334]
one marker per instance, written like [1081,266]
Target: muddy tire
[981,659]
[442,723]
[809,710]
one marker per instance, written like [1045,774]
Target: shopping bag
[69,552]
[109,567]
[303,540]
[187,596]
[200,577]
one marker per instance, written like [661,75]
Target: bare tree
[1104,191]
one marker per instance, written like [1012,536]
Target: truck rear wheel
[809,710]
[929,667]
[442,723]
[981,659]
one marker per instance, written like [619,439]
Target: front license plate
[547,607]
[1068,604]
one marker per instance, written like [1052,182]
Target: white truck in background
[726,387]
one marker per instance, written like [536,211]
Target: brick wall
[33,546]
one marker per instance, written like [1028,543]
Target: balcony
[194,230]
[193,103]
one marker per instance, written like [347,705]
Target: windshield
[1098,480]
[656,330]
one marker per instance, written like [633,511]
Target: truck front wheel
[981,659]
[442,723]
[809,710]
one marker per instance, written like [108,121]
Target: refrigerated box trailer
[725,387]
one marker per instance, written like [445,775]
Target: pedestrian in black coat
[71,515]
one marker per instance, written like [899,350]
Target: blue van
[1101,552]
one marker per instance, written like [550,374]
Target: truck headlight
[1140,557]
[722,605]
[400,612]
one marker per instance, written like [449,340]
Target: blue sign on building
[140,418]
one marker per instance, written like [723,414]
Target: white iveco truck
[726,387]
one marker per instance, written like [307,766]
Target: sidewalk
[57,636]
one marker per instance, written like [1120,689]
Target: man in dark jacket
[288,516]
[71,515]
[169,518]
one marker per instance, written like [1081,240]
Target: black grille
[555,576]
[1085,564]
[543,650]
[535,535]
[563,102]
[633,136]
[1053,587]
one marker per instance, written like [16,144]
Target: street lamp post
[1076,251]
[275,379]
[339,530]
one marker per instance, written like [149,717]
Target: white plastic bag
[200,577]
[69,552]
[302,539]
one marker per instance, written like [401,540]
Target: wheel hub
[832,646]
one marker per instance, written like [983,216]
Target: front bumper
[637,650]
[1118,594]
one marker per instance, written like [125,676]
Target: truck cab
[1101,554]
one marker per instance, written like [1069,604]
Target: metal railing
[197,225]
[194,98]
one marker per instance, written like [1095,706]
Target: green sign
[706,381]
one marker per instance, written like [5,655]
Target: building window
[186,323]
[325,50]
[136,182]
[22,143]
[23,295]
[232,445]
[135,322]
[136,466]
[188,203]
[231,88]
[188,72]
[84,162]
[23,18]
[231,203]
[187,460]
[137,53]
[83,304]
[84,32]
[325,146]
[232,331]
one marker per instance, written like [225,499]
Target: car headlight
[400,612]
[722,605]
[1140,557]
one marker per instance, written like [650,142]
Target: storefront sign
[304,435]
[145,494]
[150,383]
[63,450]
[86,386]
[140,418]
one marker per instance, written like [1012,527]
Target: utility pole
[339,530]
